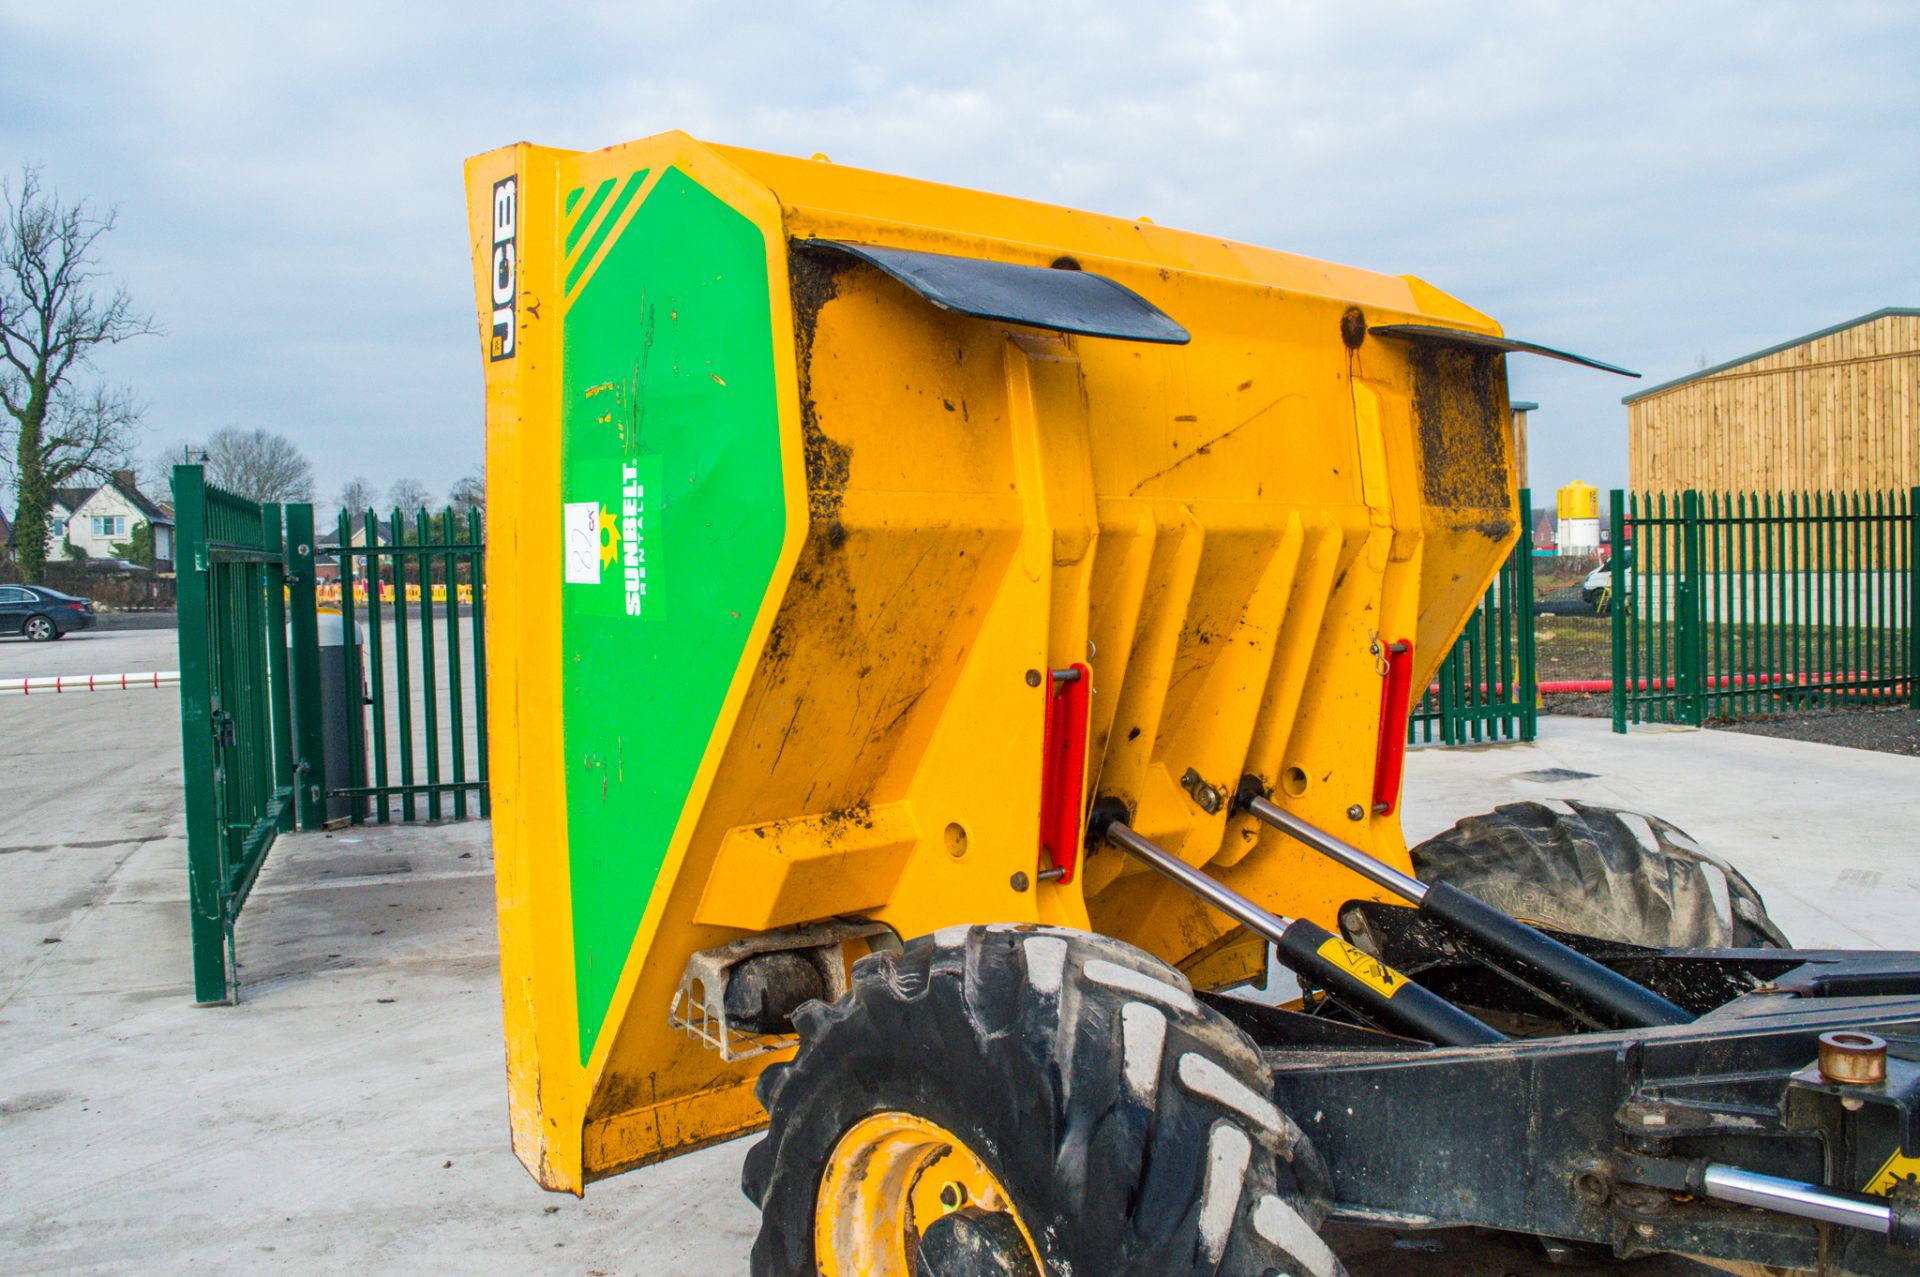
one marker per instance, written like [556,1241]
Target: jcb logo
[506,220]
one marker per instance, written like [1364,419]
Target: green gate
[236,719]
[1747,605]
[256,681]
[1488,687]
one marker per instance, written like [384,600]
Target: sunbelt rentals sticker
[611,542]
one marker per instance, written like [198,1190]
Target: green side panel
[673,516]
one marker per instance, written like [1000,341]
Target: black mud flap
[1064,300]
[1486,341]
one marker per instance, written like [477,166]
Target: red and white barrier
[59,683]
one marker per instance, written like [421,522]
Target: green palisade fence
[415,665]
[1744,605]
[1487,689]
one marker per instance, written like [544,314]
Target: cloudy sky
[1653,184]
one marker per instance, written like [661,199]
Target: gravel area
[1890,731]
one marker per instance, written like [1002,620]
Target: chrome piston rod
[1792,1197]
[1381,875]
[1236,906]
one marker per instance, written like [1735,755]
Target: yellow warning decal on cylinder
[1900,1169]
[1363,966]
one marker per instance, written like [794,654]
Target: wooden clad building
[1834,411]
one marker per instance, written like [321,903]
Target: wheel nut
[1853,1057]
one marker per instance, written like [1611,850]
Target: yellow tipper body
[781,554]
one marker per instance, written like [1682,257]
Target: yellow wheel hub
[891,1175]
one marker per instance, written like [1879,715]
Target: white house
[93,519]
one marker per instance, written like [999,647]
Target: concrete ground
[349,1115]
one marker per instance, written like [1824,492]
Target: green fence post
[279,689]
[303,611]
[456,685]
[402,663]
[1912,609]
[1523,617]
[1692,638]
[355,703]
[205,876]
[1617,604]
[377,671]
[429,675]
[477,571]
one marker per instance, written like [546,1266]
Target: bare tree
[154,475]
[259,465]
[357,497]
[56,309]
[409,496]
[469,492]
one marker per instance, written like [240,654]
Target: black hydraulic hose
[1541,958]
[1357,978]
[1534,956]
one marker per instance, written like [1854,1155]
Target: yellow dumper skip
[800,497]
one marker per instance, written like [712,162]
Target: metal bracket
[1209,798]
[699,1007]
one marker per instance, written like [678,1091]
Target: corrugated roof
[1883,313]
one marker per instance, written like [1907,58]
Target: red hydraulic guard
[1390,756]
[1063,772]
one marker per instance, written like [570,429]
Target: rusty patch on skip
[1460,404]
[1353,327]
[815,282]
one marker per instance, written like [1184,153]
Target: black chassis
[1600,1136]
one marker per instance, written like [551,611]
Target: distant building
[1543,529]
[94,518]
[1834,411]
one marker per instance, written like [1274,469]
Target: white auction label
[583,542]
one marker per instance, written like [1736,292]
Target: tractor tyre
[1028,1101]
[1598,871]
